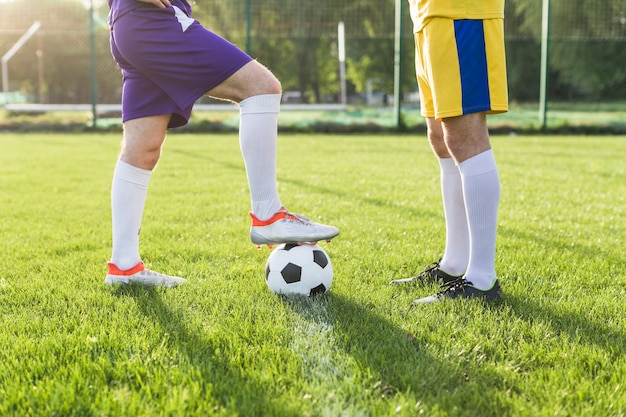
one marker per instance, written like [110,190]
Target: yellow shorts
[461,67]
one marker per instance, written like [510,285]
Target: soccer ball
[293,269]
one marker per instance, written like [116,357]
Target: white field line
[314,340]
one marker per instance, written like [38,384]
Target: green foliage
[223,345]
[587,52]
[297,40]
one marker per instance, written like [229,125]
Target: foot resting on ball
[286,227]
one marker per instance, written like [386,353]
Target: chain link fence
[67,60]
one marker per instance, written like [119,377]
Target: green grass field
[223,345]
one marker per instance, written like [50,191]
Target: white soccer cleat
[285,227]
[140,275]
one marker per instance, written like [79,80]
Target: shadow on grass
[229,387]
[395,362]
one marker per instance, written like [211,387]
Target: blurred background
[349,62]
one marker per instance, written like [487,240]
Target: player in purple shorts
[168,61]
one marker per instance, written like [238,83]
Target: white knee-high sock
[481,189]
[456,254]
[128,198]
[258,133]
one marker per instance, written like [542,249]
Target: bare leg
[143,139]
[466,136]
[253,79]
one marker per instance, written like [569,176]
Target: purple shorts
[168,61]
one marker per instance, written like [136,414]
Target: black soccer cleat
[430,274]
[462,288]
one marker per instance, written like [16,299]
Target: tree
[587,45]
[297,40]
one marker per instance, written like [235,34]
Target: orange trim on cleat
[280,214]
[114,270]
[286,227]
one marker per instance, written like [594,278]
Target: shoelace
[457,285]
[152,273]
[426,272]
[297,218]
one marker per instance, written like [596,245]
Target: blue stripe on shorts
[470,40]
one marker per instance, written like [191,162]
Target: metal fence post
[92,56]
[248,27]
[397,70]
[545,61]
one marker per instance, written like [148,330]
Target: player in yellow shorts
[461,75]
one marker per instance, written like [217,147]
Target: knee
[261,80]
[147,161]
[438,144]
[151,158]
[144,158]
[270,84]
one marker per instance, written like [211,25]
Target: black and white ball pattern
[299,270]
